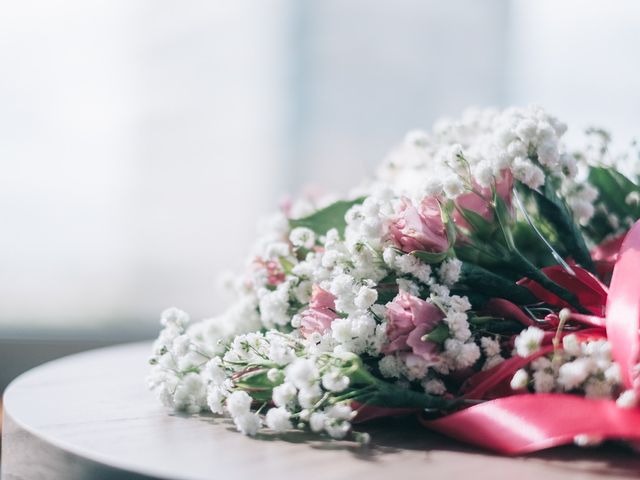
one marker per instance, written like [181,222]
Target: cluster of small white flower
[479,148]
[492,351]
[175,373]
[580,197]
[460,349]
[304,388]
[584,367]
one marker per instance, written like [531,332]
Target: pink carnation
[320,314]
[408,320]
[419,228]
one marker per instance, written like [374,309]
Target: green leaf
[256,380]
[496,325]
[504,219]
[430,257]
[287,266]
[387,289]
[555,211]
[390,395]
[439,334]
[613,189]
[327,218]
[495,286]
[479,225]
[449,223]
[521,264]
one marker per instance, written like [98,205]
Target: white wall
[372,71]
[580,59]
[139,142]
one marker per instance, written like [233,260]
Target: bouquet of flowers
[483,280]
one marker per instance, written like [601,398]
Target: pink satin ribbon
[524,423]
[623,308]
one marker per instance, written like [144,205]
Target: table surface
[90,416]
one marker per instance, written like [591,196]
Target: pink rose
[408,320]
[320,314]
[480,200]
[419,228]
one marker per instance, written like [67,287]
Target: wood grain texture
[89,416]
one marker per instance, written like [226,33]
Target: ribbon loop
[623,308]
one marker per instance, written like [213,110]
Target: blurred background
[140,141]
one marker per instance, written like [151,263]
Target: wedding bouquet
[484,280]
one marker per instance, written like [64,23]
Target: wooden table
[89,416]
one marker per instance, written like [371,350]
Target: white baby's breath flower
[248,423]
[280,353]
[274,306]
[302,237]
[309,396]
[612,374]
[526,130]
[284,394]
[214,371]
[180,345]
[174,316]
[461,355]
[342,285]
[408,286]
[520,380]
[278,419]
[389,256]
[366,297]
[340,411]
[490,346]
[453,186]
[570,345]
[458,303]
[337,429]
[389,366]
[633,198]
[492,361]
[415,367]
[541,363]
[458,325]
[434,386]
[597,388]
[450,271]
[216,396]
[627,399]
[528,342]
[317,421]
[572,374]
[238,403]
[335,381]
[543,382]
